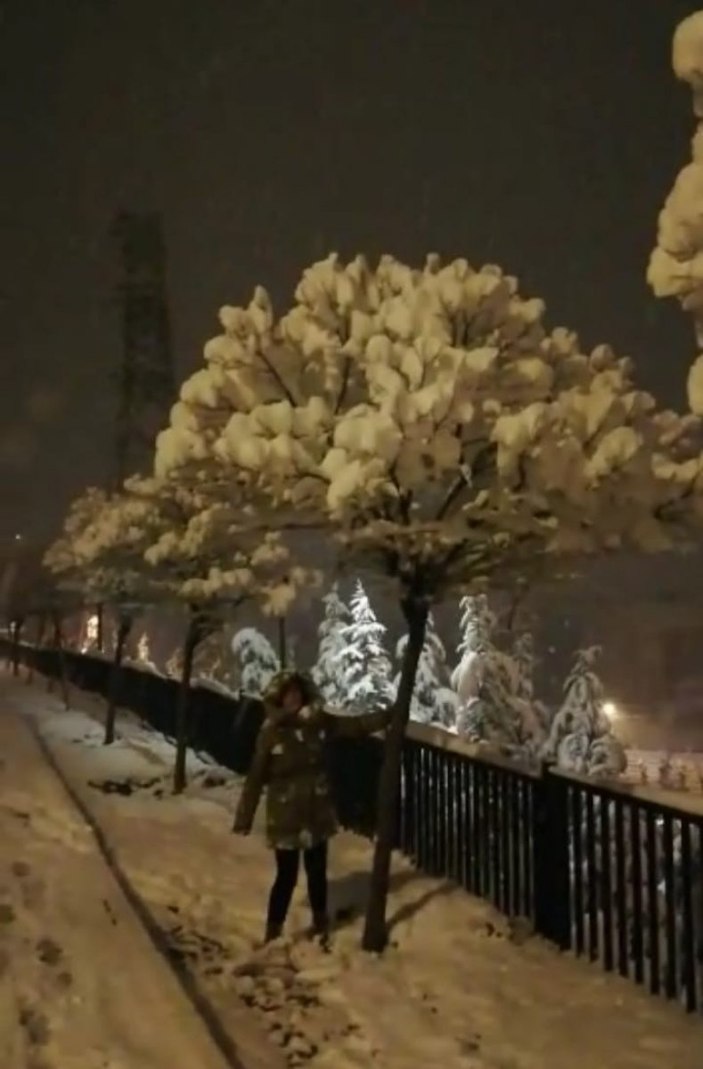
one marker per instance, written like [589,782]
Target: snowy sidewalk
[80,984]
[457,989]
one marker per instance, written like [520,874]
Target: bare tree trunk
[193,636]
[100,637]
[282,642]
[41,632]
[375,935]
[124,627]
[16,635]
[61,653]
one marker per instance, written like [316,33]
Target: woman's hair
[287,681]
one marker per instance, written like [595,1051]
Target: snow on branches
[100,553]
[430,419]
[676,264]
[201,553]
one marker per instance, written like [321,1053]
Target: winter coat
[291,761]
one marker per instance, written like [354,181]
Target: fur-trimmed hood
[312,705]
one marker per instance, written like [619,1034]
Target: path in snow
[81,986]
[459,987]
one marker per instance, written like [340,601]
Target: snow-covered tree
[434,431]
[364,665]
[211,566]
[581,737]
[433,700]
[534,712]
[100,556]
[331,643]
[494,706]
[256,661]
[676,264]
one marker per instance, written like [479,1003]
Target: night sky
[542,136]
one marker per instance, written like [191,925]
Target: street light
[611,710]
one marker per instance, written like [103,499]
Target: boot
[273,931]
[321,929]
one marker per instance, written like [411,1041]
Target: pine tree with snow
[433,700]
[364,666]
[482,679]
[534,713]
[331,645]
[256,660]
[581,738]
[496,703]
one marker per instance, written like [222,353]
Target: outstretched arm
[254,785]
[357,727]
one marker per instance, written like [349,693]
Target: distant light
[18,538]
[611,710]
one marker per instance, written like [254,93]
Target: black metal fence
[607,872]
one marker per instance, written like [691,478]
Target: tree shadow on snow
[349,896]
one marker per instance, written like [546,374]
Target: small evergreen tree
[495,690]
[364,665]
[433,701]
[256,660]
[481,678]
[581,738]
[534,713]
[332,642]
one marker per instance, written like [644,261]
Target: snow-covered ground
[81,986]
[459,987]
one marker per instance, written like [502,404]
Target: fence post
[550,841]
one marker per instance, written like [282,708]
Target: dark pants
[287,867]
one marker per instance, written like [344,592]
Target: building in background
[146,385]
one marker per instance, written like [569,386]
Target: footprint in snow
[49,952]
[7,913]
[36,1026]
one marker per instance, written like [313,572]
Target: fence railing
[606,871]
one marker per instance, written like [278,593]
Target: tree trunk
[100,637]
[41,631]
[282,642]
[16,634]
[190,644]
[63,674]
[124,627]
[375,935]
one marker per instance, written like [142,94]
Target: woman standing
[291,760]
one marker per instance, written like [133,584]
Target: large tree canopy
[430,418]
